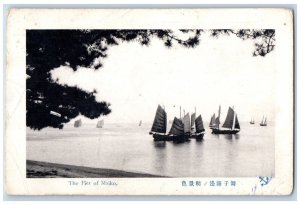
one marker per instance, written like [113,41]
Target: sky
[135,79]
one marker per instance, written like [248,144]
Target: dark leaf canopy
[50,49]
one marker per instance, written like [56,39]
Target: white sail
[193,116]
[231,120]
[262,121]
[265,122]
[187,123]
[233,123]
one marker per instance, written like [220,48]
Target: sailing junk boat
[159,126]
[78,123]
[177,131]
[199,128]
[263,122]
[100,124]
[252,121]
[140,123]
[231,123]
[180,130]
[215,122]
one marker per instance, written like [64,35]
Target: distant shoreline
[37,169]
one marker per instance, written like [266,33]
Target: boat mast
[166,123]
[219,113]
[194,126]
[180,111]
[233,124]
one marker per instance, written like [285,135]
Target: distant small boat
[100,124]
[252,121]
[212,122]
[215,121]
[263,121]
[231,124]
[140,123]
[78,123]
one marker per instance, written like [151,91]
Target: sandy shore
[36,169]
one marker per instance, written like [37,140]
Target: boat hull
[197,136]
[180,138]
[220,131]
[162,137]
[211,127]
[165,137]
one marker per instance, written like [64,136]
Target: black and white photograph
[150,103]
[197,104]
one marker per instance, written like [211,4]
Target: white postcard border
[19,20]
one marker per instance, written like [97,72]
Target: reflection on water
[179,143]
[159,144]
[199,141]
[215,135]
[159,156]
[228,136]
[232,137]
[125,147]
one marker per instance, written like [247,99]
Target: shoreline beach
[37,169]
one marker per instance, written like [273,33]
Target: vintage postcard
[149,102]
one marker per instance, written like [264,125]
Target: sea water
[129,147]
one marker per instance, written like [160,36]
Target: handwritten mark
[264,180]
[254,189]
